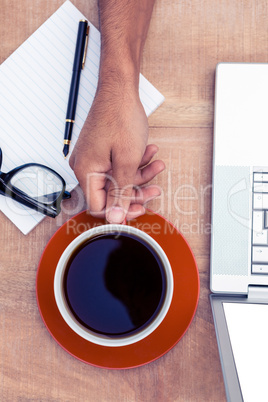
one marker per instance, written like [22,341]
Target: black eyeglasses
[35,186]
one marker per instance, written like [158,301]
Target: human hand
[111,158]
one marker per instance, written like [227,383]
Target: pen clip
[85,50]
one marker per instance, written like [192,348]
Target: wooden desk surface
[185,42]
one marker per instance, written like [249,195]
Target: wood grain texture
[186,40]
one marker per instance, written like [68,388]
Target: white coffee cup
[66,312]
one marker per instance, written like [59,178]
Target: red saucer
[172,328]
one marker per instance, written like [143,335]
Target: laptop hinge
[257,293]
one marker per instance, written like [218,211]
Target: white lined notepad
[34,88]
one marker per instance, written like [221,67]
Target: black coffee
[114,284]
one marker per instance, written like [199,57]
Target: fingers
[135,210]
[142,195]
[139,198]
[120,189]
[149,172]
[93,185]
[145,175]
[149,153]
[117,194]
[96,186]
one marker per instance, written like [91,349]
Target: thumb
[120,191]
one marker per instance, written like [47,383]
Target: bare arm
[111,158]
[124,25]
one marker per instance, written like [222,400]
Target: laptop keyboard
[260,223]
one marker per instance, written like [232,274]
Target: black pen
[79,62]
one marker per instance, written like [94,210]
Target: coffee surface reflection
[114,284]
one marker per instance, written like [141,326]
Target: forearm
[124,25]
[111,159]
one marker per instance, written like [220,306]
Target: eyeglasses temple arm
[66,195]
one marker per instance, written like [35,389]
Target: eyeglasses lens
[38,183]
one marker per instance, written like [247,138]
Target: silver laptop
[239,243]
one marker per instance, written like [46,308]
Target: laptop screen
[242,335]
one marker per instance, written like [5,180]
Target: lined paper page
[34,89]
